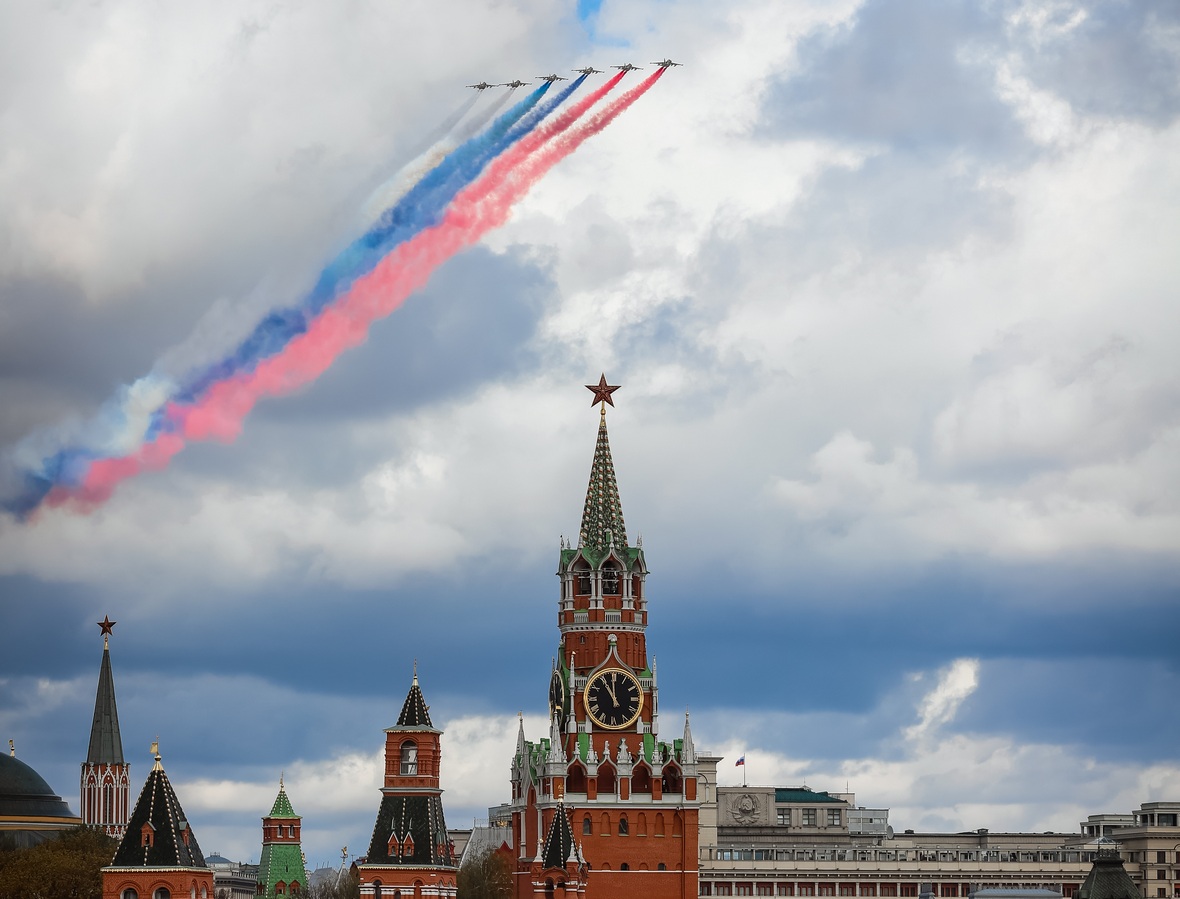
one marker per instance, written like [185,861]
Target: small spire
[12,748]
[415,673]
[156,753]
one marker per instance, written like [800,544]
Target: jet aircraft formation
[588,70]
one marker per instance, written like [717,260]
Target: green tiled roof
[802,794]
[282,807]
[281,863]
[602,516]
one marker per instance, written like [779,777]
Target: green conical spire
[282,807]
[602,516]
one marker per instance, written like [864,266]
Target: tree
[67,867]
[486,875]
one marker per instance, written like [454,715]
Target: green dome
[24,792]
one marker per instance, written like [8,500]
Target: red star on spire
[106,624]
[602,391]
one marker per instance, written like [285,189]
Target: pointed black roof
[421,820]
[414,710]
[1108,879]
[172,843]
[602,516]
[559,842]
[106,746]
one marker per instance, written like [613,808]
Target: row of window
[164,893]
[809,817]
[943,890]
[624,825]
[905,855]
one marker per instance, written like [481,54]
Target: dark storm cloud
[1119,60]
[471,324]
[1039,618]
[911,74]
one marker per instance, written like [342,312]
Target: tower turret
[281,870]
[105,780]
[410,850]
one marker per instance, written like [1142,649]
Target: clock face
[557,701]
[613,698]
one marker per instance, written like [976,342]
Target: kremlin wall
[603,805]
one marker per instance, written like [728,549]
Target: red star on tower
[602,391]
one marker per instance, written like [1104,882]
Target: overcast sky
[891,292]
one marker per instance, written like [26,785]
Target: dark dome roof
[24,792]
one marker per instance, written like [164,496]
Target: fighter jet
[589,70]
[482,86]
[627,68]
[664,63]
[514,84]
[551,78]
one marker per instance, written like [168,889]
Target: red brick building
[630,797]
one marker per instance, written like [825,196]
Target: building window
[661,867]
[827,889]
[587,826]
[724,889]
[624,867]
[583,583]
[706,889]
[409,758]
[743,889]
[610,579]
[809,817]
[848,889]
[889,889]
[785,889]
[833,817]
[624,827]
[807,889]
[909,889]
[948,889]
[129,893]
[1161,857]
[162,893]
[784,817]
[765,889]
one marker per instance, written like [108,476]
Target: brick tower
[106,777]
[631,797]
[158,857]
[281,871]
[410,854]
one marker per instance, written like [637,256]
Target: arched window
[661,867]
[576,779]
[606,779]
[672,779]
[641,779]
[642,831]
[162,893]
[605,821]
[587,828]
[280,888]
[409,758]
[192,892]
[549,887]
[129,893]
[376,889]
[582,575]
[624,827]
[624,867]
[611,579]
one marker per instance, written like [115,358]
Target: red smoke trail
[479,208]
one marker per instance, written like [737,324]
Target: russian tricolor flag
[740,761]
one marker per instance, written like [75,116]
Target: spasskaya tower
[602,807]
